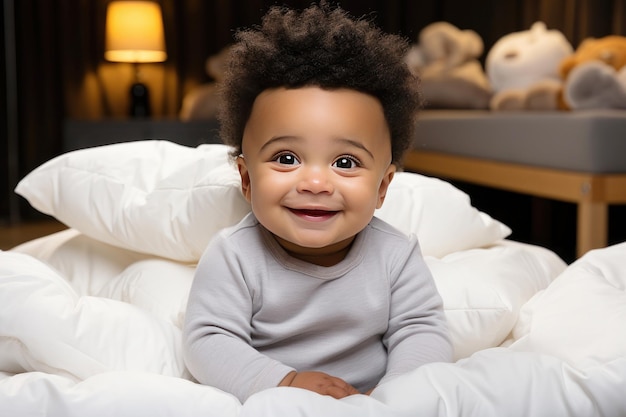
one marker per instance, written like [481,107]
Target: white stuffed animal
[523,69]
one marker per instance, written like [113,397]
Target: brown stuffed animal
[446,60]
[595,75]
[611,50]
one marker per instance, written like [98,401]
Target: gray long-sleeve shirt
[255,313]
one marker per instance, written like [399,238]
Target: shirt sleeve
[217,331]
[417,332]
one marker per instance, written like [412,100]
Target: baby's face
[316,164]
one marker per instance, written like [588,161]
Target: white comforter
[95,330]
[90,317]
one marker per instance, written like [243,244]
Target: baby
[310,290]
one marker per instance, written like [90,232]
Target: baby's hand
[319,382]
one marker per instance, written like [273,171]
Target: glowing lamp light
[134,34]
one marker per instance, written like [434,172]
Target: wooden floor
[13,235]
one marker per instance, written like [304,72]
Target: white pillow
[163,199]
[439,214]
[154,197]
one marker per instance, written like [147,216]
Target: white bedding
[90,317]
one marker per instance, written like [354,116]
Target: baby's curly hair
[324,47]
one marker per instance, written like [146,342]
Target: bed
[90,317]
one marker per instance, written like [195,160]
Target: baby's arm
[418,332]
[217,343]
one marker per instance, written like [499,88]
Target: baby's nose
[315,180]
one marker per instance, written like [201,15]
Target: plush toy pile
[534,69]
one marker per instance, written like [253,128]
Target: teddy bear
[523,69]
[446,60]
[595,74]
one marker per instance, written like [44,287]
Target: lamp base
[139,100]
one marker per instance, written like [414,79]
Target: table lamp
[134,33]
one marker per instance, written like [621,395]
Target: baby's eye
[346,162]
[286,159]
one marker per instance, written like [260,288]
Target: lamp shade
[134,32]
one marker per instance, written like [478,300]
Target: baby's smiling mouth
[313,213]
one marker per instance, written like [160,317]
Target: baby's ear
[245,177]
[384,184]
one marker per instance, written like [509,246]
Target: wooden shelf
[592,193]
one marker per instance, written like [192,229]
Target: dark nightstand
[78,134]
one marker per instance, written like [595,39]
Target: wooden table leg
[592,226]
